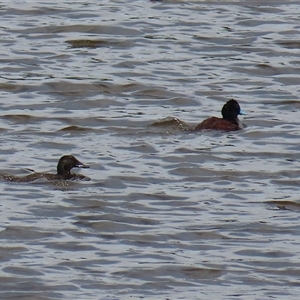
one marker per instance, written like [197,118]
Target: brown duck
[64,166]
[229,122]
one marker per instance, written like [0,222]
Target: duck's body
[229,122]
[64,166]
[214,123]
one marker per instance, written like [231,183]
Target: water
[168,213]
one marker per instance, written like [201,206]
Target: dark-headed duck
[64,166]
[229,122]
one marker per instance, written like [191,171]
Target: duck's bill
[81,165]
[242,112]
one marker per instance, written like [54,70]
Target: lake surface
[168,213]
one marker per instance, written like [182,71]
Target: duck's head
[66,163]
[231,110]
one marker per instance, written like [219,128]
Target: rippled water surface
[168,213]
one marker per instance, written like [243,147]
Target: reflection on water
[167,211]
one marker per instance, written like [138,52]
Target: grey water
[168,213]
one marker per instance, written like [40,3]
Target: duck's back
[48,176]
[215,123]
[27,178]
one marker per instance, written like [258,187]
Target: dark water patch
[83,89]
[21,271]
[284,205]
[140,148]
[112,183]
[155,93]
[264,229]
[118,219]
[263,253]
[136,181]
[73,246]
[10,253]
[24,233]
[128,64]
[109,227]
[198,273]
[196,235]
[152,37]
[14,88]
[49,209]
[290,44]
[173,123]
[289,183]
[75,129]
[80,28]
[23,119]
[166,272]
[98,43]
[154,196]
[166,100]
[290,104]
[33,10]
[29,296]
[68,89]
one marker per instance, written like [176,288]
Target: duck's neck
[62,171]
[233,120]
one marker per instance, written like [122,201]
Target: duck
[229,122]
[64,166]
